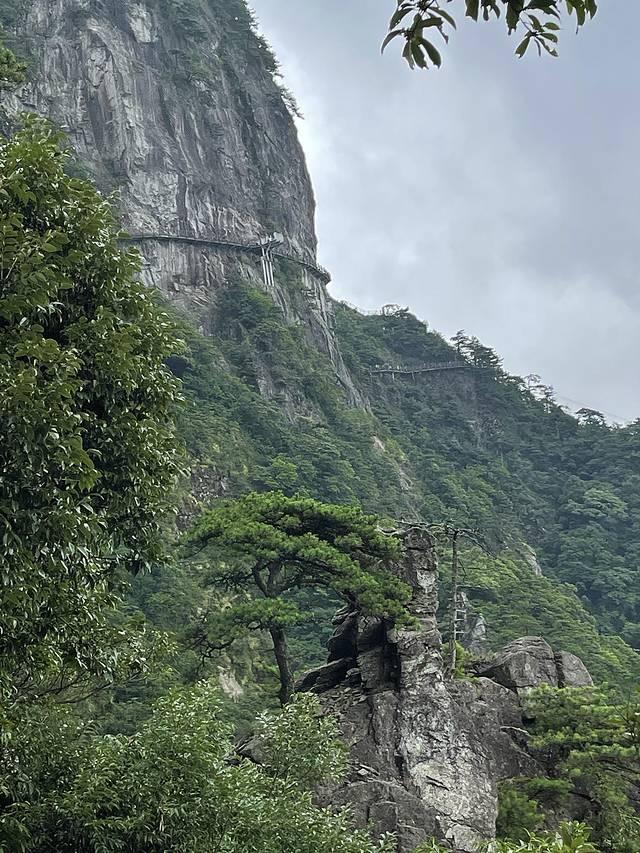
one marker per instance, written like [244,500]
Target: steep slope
[177,106]
[495,452]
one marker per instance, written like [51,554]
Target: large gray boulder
[522,665]
[571,671]
[530,662]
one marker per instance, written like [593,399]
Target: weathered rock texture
[427,753]
[530,661]
[180,114]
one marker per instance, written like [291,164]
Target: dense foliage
[265,548]
[497,453]
[590,741]
[568,838]
[176,787]
[88,450]
[473,446]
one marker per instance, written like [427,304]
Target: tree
[268,546]
[12,70]
[591,739]
[177,787]
[538,20]
[88,451]
[568,838]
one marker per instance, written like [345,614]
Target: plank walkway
[252,248]
[407,370]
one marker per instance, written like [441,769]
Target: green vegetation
[172,787]
[266,547]
[568,838]
[88,449]
[494,452]
[590,741]
[198,59]
[536,21]
[305,439]
[88,462]
[88,457]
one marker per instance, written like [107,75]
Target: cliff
[428,752]
[175,106]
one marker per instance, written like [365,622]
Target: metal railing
[403,369]
[252,248]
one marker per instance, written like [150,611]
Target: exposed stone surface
[427,754]
[473,632]
[525,663]
[195,138]
[531,558]
[571,671]
[530,662]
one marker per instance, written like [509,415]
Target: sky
[496,195]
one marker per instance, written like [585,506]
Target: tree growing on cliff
[12,70]
[265,547]
[538,22]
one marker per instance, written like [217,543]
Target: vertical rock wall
[427,754]
[179,113]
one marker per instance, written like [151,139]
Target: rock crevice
[428,753]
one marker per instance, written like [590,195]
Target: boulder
[571,671]
[530,662]
[522,665]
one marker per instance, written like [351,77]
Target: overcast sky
[495,195]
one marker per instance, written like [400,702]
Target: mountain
[177,107]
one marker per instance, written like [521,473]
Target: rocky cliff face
[428,752]
[175,106]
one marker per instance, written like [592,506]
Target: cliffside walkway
[406,370]
[250,248]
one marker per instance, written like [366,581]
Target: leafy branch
[538,21]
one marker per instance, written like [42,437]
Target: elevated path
[248,248]
[409,370]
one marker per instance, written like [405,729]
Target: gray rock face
[530,662]
[571,671]
[427,754]
[524,664]
[473,631]
[193,134]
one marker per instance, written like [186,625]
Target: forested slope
[474,447]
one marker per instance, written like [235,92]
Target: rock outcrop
[181,116]
[530,661]
[427,752]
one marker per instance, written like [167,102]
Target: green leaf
[473,9]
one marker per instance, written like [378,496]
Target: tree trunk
[284,668]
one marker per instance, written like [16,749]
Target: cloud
[495,195]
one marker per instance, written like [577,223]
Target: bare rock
[571,671]
[523,664]
[427,754]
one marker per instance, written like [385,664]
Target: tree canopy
[266,546]
[538,22]
[88,450]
